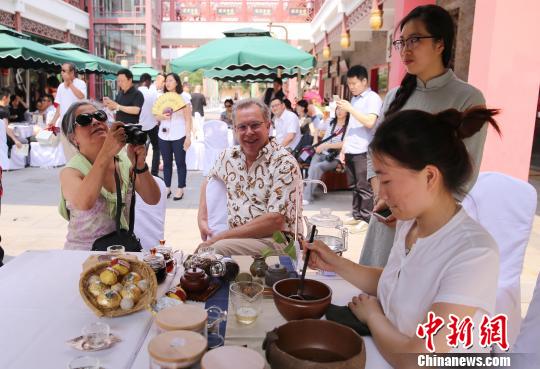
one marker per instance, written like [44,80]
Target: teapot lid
[326,219]
[276,268]
[194,272]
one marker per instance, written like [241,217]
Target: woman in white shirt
[175,137]
[441,260]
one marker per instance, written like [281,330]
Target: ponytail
[416,139]
[405,90]
[470,121]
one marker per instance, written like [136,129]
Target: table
[22,130]
[41,308]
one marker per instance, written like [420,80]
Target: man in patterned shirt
[261,179]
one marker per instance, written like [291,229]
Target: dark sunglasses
[85,119]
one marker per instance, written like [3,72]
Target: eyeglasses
[410,43]
[85,119]
[244,127]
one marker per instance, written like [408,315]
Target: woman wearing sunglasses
[88,186]
[426,36]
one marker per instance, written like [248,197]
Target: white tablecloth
[41,309]
[22,130]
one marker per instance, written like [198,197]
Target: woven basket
[146,299]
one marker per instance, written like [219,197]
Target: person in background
[175,138]
[12,139]
[274,92]
[425,45]
[301,110]
[326,154]
[364,108]
[17,109]
[442,262]
[129,101]
[71,90]
[46,105]
[288,105]
[258,207]
[88,192]
[226,116]
[286,124]
[147,119]
[157,86]
[198,102]
[186,90]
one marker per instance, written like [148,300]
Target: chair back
[216,205]
[505,207]
[150,219]
[528,340]
[215,141]
[4,160]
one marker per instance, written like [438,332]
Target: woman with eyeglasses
[426,37]
[175,137]
[88,186]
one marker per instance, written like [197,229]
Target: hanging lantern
[375,21]
[345,40]
[326,52]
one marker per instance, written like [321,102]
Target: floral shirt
[269,186]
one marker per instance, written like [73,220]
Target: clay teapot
[277,272]
[194,280]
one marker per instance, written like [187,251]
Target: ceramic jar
[259,267]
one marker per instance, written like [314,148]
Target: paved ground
[30,220]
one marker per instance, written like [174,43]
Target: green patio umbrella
[139,69]
[18,51]
[246,48]
[251,75]
[93,63]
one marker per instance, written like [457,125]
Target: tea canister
[183,317]
[176,349]
[232,357]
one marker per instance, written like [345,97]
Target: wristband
[141,171]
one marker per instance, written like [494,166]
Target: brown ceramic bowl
[314,344]
[293,309]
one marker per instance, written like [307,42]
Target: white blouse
[458,264]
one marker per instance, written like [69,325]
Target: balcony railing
[77,3]
[298,11]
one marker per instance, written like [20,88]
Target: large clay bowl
[314,344]
[293,309]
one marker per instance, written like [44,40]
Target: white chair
[215,141]
[505,207]
[528,340]
[150,219]
[16,161]
[216,205]
[46,156]
[195,156]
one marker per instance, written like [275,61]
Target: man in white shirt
[147,119]
[71,90]
[364,109]
[158,84]
[286,123]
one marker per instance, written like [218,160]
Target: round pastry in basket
[118,287]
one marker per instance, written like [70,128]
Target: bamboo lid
[232,357]
[177,347]
[182,317]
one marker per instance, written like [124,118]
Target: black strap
[120,204]
[333,134]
